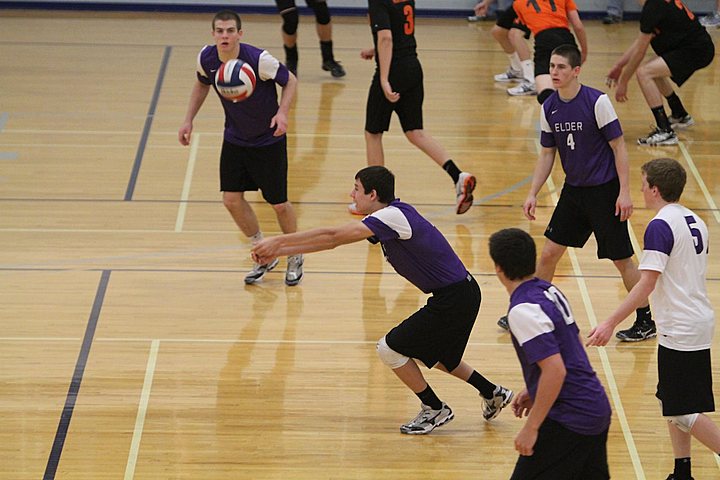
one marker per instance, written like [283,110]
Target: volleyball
[235,80]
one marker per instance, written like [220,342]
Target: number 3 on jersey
[409,19]
[570,142]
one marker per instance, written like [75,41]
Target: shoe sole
[336,74]
[250,281]
[674,141]
[425,432]
[504,404]
[682,125]
[523,94]
[510,80]
[632,340]
[467,199]
[292,283]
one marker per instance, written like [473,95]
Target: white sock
[255,239]
[515,61]
[528,70]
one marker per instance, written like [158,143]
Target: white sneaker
[659,137]
[510,76]
[525,88]
[259,271]
[294,272]
[427,420]
[711,20]
[464,192]
[501,399]
[681,122]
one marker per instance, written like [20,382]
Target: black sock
[429,398]
[452,170]
[676,106]
[661,118]
[326,49]
[291,57]
[643,314]
[682,469]
[483,385]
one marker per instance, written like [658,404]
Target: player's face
[226,35]
[362,200]
[648,192]
[561,72]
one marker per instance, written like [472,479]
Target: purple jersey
[580,129]
[541,324]
[414,247]
[247,123]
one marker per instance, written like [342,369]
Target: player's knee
[498,32]
[390,357]
[322,13]
[290,21]
[542,96]
[684,422]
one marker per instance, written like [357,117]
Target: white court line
[142,410]
[701,183]
[604,360]
[182,208]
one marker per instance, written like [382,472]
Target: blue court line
[74,389]
[148,124]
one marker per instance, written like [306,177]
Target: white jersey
[676,245]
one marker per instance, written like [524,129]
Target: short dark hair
[570,53]
[667,175]
[380,179]
[227,15]
[513,250]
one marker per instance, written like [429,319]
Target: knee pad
[290,20]
[389,356]
[542,96]
[322,13]
[683,422]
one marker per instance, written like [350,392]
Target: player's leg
[518,36]
[235,180]
[500,32]
[323,26]
[495,397]
[681,445]
[290,19]
[646,75]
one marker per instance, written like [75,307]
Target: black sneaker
[638,332]
[503,323]
[611,19]
[672,477]
[335,69]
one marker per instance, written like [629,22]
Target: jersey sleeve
[606,118]
[659,241]
[389,223]
[379,15]
[570,5]
[650,16]
[547,139]
[533,330]
[202,75]
[270,68]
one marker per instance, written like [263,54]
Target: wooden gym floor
[130,347]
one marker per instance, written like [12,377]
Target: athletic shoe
[481,18]
[259,271]
[427,420]
[294,272]
[501,399]
[510,76]
[681,122]
[611,19]
[659,137]
[352,208]
[638,332]
[464,189]
[503,323]
[712,20]
[672,477]
[335,69]
[525,88]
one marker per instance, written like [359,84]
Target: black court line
[74,389]
[148,124]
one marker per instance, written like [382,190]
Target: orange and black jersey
[541,15]
[672,24]
[398,16]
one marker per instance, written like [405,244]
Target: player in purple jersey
[565,435]
[580,123]
[254,149]
[682,46]
[397,86]
[673,270]
[290,17]
[438,333]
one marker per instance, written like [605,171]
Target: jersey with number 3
[672,24]
[676,245]
[398,16]
[580,129]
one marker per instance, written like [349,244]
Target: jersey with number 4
[581,129]
[676,245]
[398,16]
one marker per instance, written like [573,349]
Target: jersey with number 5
[398,16]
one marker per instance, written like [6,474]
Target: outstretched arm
[627,65]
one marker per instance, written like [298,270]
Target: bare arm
[543,167]
[632,57]
[579,29]
[197,98]
[623,204]
[315,240]
[384,52]
[552,377]
[286,98]
[482,7]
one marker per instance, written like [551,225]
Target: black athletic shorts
[684,381]
[547,41]
[582,211]
[508,19]
[440,330]
[244,169]
[406,78]
[688,59]
[561,454]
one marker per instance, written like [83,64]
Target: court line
[182,208]
[602,353]
[148,124]
[74,390]
[142,410]
[4,116]
[699,180]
